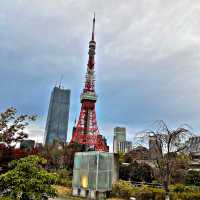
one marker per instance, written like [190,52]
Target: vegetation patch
[27,180]
[126,190]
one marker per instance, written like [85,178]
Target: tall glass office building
[58,116]
[119,136]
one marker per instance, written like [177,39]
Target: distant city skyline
[147,60]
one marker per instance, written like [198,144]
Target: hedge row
[183,192]
[126,190]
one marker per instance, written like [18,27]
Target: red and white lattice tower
[86,131]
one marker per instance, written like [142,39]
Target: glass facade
[58,115]
[95,167]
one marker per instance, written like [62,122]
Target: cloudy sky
[147,60]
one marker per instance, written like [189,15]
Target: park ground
[64,193]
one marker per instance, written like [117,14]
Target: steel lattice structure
[86,131]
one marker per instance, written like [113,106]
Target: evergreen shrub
[126,190]
[27,180]
[63,178]
[192,178]
[185,196]
[182,192]
[122,189]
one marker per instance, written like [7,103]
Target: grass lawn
[65,193]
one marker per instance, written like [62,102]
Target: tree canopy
[12,126]
[27,179]
[60,155]
[136,172]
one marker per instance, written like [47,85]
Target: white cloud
[35,133]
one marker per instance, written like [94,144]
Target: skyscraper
[120,144]
[193,144]
[58,116]
[119,136]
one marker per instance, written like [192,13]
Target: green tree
[54,154]
[12,130]
[27,179]
[121,157]
[180,168]
[69,154]
[137,172]
[12,126]
[60,155]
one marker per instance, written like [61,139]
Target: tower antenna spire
[93,27]
[60,83]
[86,131]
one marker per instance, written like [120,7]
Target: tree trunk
[166,185]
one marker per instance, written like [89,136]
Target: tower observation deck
[86,131]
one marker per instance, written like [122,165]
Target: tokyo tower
[86,131]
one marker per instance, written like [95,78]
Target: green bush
[63,178]
[136,172]
[182,192]
[146,193]
[122,189]
[64,182]
[27,179]
[185,196]
[178,188]
[192,178]
[125,189]
[5,198]
[159,194]
[64,173]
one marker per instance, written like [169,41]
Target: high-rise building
[125,146]
[193,144]
[58,116]
[193,149]
[119,141]
[120,133]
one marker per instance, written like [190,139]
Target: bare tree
[168,143]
